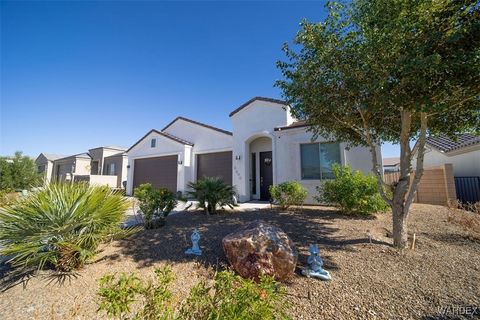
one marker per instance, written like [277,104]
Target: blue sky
[77,75]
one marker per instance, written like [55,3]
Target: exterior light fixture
[238,157]
[180,162]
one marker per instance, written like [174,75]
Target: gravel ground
[371,280]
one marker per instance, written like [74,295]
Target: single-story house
[44,163]
[391,164]
[102,165]
[463,154]
[266,146]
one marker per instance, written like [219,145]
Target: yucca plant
[60,226]
[212,193]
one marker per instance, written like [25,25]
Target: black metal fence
[468,189]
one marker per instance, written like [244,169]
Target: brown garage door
[160,172]
[218,164]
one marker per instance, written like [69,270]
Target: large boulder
[261,249]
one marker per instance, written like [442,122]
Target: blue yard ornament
[195,249]
[315,265]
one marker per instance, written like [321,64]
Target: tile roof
[445,144]
[166,135]
[51,156]
[296,124]
[257,99]
[391,161]
[197,123]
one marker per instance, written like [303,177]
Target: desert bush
[118,295]
[233,297]
[60,226]
[352,191]
[289,193]
[155,204]
[230,297]
[212,193]
[465,215]
[7,198]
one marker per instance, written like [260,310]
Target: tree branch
[376,166]
[420,156]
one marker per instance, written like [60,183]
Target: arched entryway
[260,171]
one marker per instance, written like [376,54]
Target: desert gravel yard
[371,280]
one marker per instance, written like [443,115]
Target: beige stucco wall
[120,161]
[465,163]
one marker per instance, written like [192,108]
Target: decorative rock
[261,249]
[195,249]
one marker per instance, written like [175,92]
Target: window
[317,160]
[153,143]
[111,169]
[41,169]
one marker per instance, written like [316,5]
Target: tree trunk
[399,217]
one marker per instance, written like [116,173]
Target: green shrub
[60,226]
[18,172]
[230,297]
[288,193]
[117,295]
[233,297]
[155,204]
[352,191]
[211,193]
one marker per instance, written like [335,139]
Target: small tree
[383,70]
[18,172]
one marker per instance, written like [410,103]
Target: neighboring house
[463,154]
[267,146]
[65,168]
[391,164]
[44,164]
[102,165]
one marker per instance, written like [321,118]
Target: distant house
[102,165]
[463,154]
[391,164]
[44,164]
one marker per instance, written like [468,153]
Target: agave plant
[60,226]
[211,193]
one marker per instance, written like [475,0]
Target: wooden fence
[437,185]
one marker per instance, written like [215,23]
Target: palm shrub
[60,226]
[155,204]
[288,193]
[352,191]
[212,193]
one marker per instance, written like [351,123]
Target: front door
[266,174]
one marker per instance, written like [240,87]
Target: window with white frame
[317,160]
[153,143]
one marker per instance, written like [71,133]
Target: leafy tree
[18,172]
[388,70]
